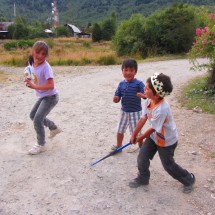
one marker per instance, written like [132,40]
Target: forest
[84,12]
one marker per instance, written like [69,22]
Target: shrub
[107,60]
[204,46]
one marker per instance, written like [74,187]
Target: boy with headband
[161,137]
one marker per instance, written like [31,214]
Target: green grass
[196,93]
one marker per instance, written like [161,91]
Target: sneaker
[36,149]
[54,132]
[133,148]
[189,188]
[137,182]
[114,149]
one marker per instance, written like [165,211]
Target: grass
[197,94]
[65,51]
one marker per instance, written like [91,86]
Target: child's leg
[123,124]
[146,153]
[46,105]
[166,155]
[133,120]
[119,139]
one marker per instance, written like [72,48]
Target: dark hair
[167,84]
[129,63]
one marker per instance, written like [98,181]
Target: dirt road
[61,181]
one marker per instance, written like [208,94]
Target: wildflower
[204,42]
[213,42]
[199,31]
[211,15]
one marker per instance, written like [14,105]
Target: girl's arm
[48,86]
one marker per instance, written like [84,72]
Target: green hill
[86,11]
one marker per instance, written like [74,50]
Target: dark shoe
[137,182]
[189,188]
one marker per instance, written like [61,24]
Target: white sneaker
[54,132]
[36,149]
[133,148]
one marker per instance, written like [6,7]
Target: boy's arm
[147,133]
[139,126]
[140,94]
[117,95]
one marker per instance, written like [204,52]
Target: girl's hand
[115,99]
[29,84]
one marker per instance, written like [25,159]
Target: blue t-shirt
[127,92]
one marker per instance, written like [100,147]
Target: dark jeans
[38,114]
[166,154]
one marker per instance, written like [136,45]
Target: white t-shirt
[42,73]
[161,120]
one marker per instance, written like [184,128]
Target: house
[4,34]
[77,32]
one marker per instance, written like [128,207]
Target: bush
[204,46]
[107,60]
[23,44]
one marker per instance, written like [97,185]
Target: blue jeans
[38,115]
[166,154]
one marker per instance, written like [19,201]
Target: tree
[171,30]
[108,29]
[96,33]
[62,31]
[128,37]
[21,30]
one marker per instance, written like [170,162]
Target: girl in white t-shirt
[161,137]
[40,78]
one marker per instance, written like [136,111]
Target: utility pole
[14,9]
[55,13]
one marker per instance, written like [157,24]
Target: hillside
[86,11]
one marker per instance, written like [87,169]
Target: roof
[4,25]
[48,31]
[74,28]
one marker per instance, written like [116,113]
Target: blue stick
[111,153]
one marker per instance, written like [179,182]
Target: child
[128,92]
[161,136]
[43,83]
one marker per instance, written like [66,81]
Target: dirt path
[60,181]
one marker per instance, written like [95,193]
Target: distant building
[4,34]
[76,32]
[49,32]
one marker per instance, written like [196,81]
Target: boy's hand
[133,139]
[141,95]
[115,99]
[139,139]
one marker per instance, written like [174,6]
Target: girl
[43,82]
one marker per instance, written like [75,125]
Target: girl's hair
[167,84]
[129,63]
[38,46]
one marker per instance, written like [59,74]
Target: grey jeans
[166,154]
[38,115]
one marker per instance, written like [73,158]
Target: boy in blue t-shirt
[129,91]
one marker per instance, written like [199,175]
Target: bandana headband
[158,85]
